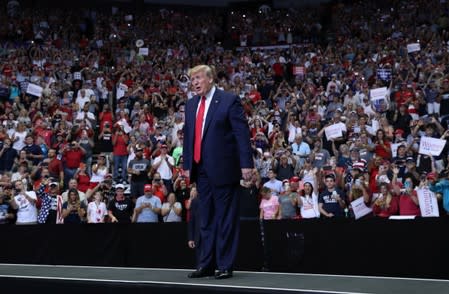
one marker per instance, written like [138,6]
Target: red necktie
[199,130]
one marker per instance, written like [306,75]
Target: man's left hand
[247,173]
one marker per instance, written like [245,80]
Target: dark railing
[407,248]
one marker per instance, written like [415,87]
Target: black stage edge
[376,247]
[77,287]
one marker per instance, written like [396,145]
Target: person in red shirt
[106,116]
[55,167]
[408,200]
[254,95]
[404,95]
[312,115]
[387,204]
[72,155]
[382,145]
[120,154]
[159,189]
[82,178]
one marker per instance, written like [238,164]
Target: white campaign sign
[431,146]
[143,51]
[34,90]
[427,203]
[394,148]
[378,93]
[359,208]
[333,131]
[413,47]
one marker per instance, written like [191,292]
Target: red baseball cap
[432,176]
[294,179]
[399,132]
[148,188]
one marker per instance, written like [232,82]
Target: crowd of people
[92,109]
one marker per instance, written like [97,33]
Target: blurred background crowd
[92,108]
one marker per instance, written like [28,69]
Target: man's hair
[330,176]
[208,70]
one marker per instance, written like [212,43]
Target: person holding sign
[440,186]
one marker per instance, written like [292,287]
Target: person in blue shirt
[440,186]
[148,207]
[332,201]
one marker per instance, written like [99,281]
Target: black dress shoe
[200,273]
[225,274]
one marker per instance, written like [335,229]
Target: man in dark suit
[217,154]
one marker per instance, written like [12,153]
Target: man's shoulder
[224,94]
[324,193]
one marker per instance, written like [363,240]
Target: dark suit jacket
[225,146]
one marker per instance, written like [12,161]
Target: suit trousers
[219,222]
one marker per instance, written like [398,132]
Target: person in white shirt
[84,115]
[163,164]
[274,184]
[82,98]
[25,203]
[73,184]
[18,137]
[300,149]
[96,210]
[308,203]
[350,98]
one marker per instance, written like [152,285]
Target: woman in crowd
[382,145]
[73,210]
[269,206]
[171,210]
[96,210]
[18,137]
[408,200]
[99,171]
[386,203]
[82,177]
[308,202]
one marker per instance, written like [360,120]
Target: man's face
[29,140]
[51,153]
[330,183]
[18,186]
[73,184]
[120,193]
[201,83]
